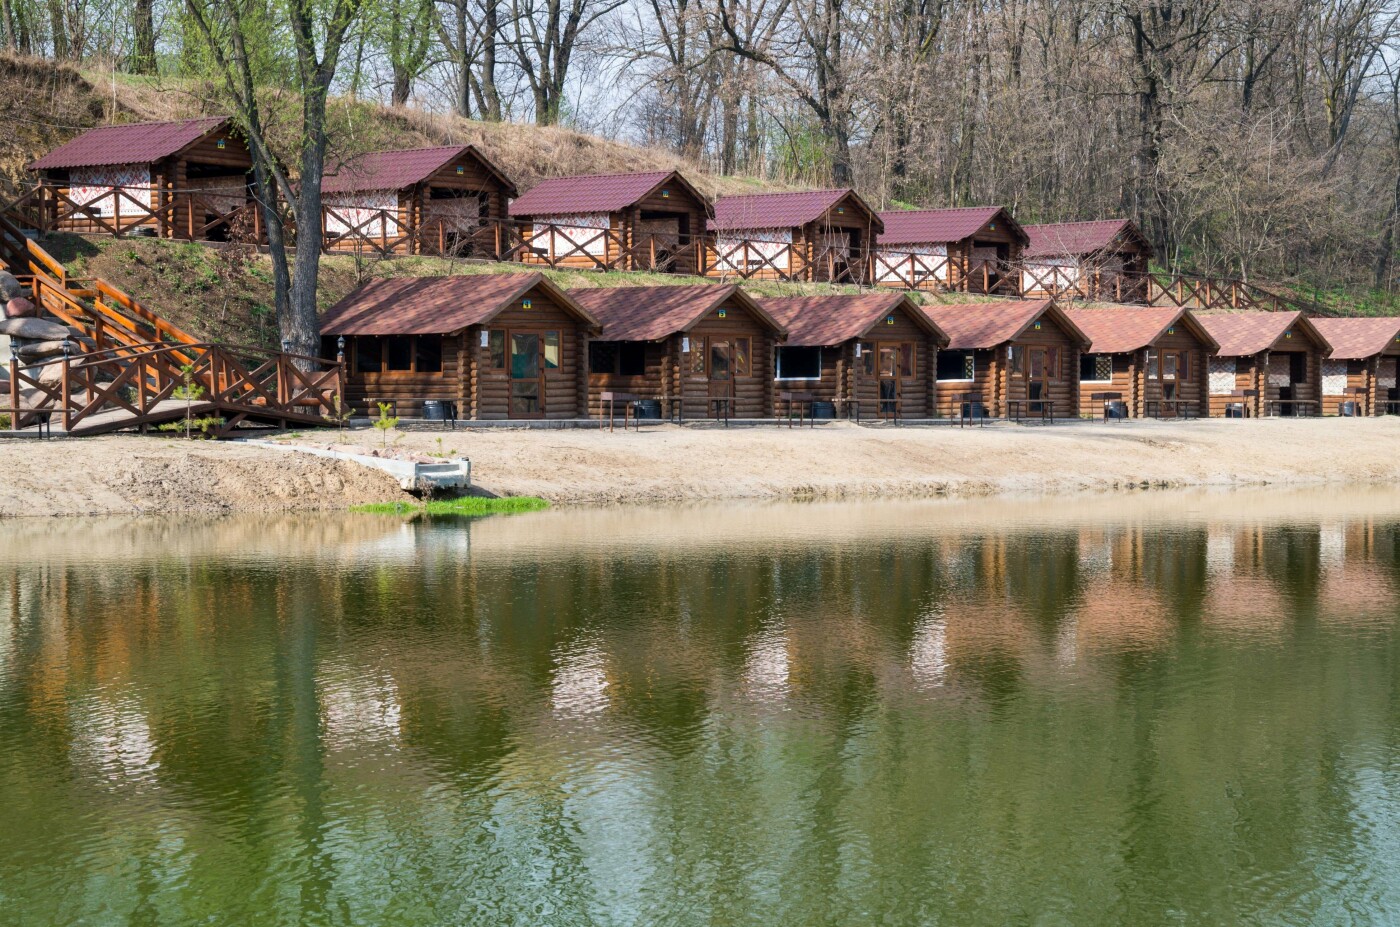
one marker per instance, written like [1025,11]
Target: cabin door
[888,370]
[1038,378]
[1167,369]
[526,374]
[721,371]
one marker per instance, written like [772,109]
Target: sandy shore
[667,464]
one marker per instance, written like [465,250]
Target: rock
[36,329]
[50,375]
[38,350]
[9,286]
[20,308]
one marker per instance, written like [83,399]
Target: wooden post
[64,393]
[14,389]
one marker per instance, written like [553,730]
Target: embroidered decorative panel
[1334,378]
[1280,371]
[573,236]
[756,245]
[1222,376]
[94,186]
[914,263]
[365,213]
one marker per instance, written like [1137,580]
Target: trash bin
[823,410]
[1116,409]
[434,410]
[1349,408]
[648,409]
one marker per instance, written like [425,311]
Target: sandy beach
[666,464]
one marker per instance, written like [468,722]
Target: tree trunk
[143,52]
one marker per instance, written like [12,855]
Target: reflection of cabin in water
[1156,358]
[1359,375]
[682,346]
[176,179]
[501,346]
[815,235]
[875,350]
[417,201]
[1266,363]
[1014,357]
[644,221]
[1106,259]
[956,249]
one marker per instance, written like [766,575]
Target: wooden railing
[191,215]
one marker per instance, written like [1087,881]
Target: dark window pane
[368,354]
[429,354]
[799,363]
[497,350]
[954,365]
[551,351]
[602,356]
[399,353]
[741,357]
[632,358]
[524,356]
[525,397]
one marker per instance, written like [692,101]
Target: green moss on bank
[465,505]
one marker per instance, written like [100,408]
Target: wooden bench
[628,400]
[1046,411]
[800,401]
[1181,408]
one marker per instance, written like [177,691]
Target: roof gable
[651,313]
[1121,329]
[437,305]
[785,210]
[135,143]
[1357,339]
[826,321]
[397,169]
[1082,238]
[980,326]
[938,226]
[595,193]
[1242,334]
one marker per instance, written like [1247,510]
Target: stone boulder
[40,350]
[34,329]
[20,308]
[10,288]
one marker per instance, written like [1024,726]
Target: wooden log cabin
[1013,356]
[683,347]
[1104,260]
[641,221]
[818,235]
[871,355]
[187,179]
[1267,363]
[445,201]
[500,346]
[970,250]
[1155,358]
[1359,373]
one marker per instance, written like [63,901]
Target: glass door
[526,375]
[721,368]
[888,368]
[1037,379]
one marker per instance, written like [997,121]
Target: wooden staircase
[135,370]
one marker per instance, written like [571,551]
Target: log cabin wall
[754,392]
[1309,388]
[808,240]
[915,391]
[984,383]
[1126,379]
[649,385]
[671,199]
[486,386]
[1228,374]
[1062,386]
[407,390]
[1191,387]
[833,383]
[203,166]
[1338,376]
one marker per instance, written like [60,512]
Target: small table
[801,401]
[890,409]
[1181,408]
[968,405]
[1244,406]
[1107,399]
[720,406]
[1046,411]
[627,400]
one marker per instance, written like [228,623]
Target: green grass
[464,505]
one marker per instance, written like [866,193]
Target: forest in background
[1252,139]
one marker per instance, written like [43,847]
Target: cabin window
[1242,365]
[1356,368]
[956,365]
[368,354]
[427,354]
[1053,370]
[496,347]
[906,360]
[697,355]
[398,354]
[1017,357]
[1154,366]
[741,357]
[1096,368]
[622,358]
[796,363]
[551,350]
[866,355]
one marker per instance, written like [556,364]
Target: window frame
[969,359]
[356,355]
[778,363]
[1096,358]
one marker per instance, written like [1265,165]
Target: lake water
[1138,710]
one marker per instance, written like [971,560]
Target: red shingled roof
[139,143]
[1075,238]
[979,326]
[650,313]
[1121,329]
[594,193]
[923,226]
[781,210]
[1241,334]
[826,321]
[395,170]
[435,305]
[1357,339]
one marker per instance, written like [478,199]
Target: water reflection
[1118,711]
